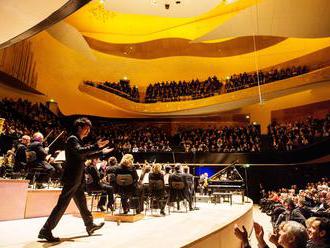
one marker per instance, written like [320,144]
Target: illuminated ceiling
[149,43]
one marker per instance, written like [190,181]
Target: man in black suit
[94,182]
[41,154]
[177,192]
[20,157]
[189,189]
[74,179]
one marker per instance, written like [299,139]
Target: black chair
[125,188]
[35,174]
[96,194]
[178,187]
[124,180]
[156,195]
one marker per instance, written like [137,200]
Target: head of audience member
[112,161]
[127,161]
[319,230]
[137,166]
[186,169]
[289,204]
[82,127]
[146,168]
[168,169]
[25,140]
[292,235]
[177,168]
[38,137]
[157,169]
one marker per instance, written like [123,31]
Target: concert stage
[211,226]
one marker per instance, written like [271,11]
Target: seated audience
[227,139]
[292,135]
[291,235]
[318,232]
[178,91]
[122,88]
[247,80]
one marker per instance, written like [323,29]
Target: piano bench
[225,196]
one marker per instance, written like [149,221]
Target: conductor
[74,179]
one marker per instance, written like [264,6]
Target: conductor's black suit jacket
[76,154]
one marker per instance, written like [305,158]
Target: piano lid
[229,173]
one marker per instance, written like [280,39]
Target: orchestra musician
[189,189]
[203,182]
[20,157]
[41,153]
[158,194]
[177,195]
[126,167]
[74,179]
[95,182]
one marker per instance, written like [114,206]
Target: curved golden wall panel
[168,47]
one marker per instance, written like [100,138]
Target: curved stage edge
[210,226]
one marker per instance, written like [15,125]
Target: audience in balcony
[182,90]
[139,138]
[128,138]
[25,118]
[226,139]
[196,89]
[291,135]
[122,88]
[247,80]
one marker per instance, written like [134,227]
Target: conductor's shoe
[91,229]
[47,234]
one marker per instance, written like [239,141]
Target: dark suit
[20,158]
[189,189]
[41,154]
[157,195]
[73,182]
[176,195]
[94,183]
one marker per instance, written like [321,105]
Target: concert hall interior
[165,123]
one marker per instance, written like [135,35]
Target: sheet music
[60,157]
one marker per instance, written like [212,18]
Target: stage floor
[174,230]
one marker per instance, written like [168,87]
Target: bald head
[25,139]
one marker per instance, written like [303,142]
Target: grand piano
[227,180]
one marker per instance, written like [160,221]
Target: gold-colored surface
[123,218]
[110,26]
[182,47]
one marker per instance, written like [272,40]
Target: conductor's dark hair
[81,122]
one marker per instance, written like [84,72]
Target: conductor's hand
[102,143]
[107,150]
